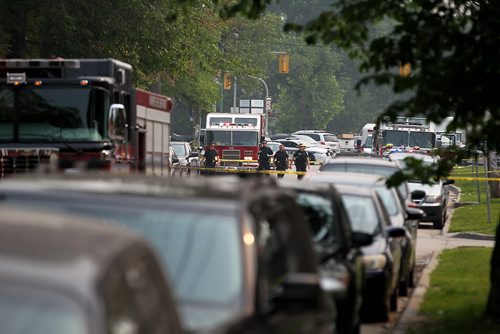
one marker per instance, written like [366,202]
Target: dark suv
[238,253]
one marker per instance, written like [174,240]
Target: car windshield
[319,215]
[28,310]
[201,250]
[362,213]
[180,149]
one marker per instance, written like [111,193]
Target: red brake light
[322,142]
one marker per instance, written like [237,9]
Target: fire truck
[74,112]
[236,137]
[405,134]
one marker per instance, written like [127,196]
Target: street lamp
[265,109]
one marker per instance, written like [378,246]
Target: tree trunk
[493,305]
[17,31]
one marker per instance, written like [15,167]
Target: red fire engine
[79,111]
[236,137]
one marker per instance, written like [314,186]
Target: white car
[322,137]
[316,154]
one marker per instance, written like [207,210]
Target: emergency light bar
[39,63]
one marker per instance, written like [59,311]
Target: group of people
[280,159]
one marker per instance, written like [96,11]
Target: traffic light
[404,70]
[284,63]
[227,81]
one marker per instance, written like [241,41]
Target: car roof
[339,178]
[362,160]
[59,250]
[420,156]
[345,189]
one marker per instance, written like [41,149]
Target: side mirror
[446,182]
[117,123]
[194,154]
[175,160]
[298,291]
[395,231]
[360,239]
[415,213]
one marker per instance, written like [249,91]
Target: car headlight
[433,199]
[374,262]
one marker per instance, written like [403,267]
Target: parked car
[185,155]
[432,199]
[316,154]
[398,214]
[322,137]
[63,274]
[239,255]
[337,246]
[382,258]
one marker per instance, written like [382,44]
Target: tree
[452,47]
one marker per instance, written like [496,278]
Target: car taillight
[411,205]
[322,143]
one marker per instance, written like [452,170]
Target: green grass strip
[459,287]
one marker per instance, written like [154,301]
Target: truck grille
[230,155]
[23,161]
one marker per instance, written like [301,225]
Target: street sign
[268,103]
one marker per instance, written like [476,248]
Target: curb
[410,316]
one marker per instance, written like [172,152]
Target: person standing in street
[301,161]
[210,158]
[281,160]
[265,153]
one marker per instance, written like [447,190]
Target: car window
[362,213]
[312,135]
[180,149]
[319,215]
[330,138]
[28,310]
[388,198]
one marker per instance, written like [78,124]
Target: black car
[337,246]
[60,274]
[382,258]
[398,215]
[238,253]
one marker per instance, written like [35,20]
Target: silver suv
[322,137]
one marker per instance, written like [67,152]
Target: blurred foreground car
[337,246]
[432,199]
[239,256]
[63,275]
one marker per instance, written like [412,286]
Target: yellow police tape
[474,178]
[235,170]
[255,161]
